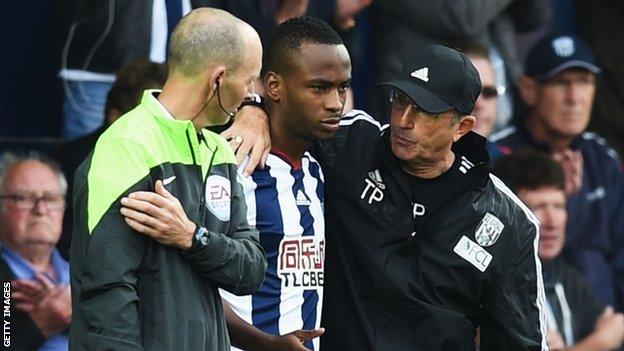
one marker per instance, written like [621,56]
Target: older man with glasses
[32,200]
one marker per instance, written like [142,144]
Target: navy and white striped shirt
[285,203]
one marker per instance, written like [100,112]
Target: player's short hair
[529,169]
[132,80]
[290,35]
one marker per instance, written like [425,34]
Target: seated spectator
[575,319]
[559,89]
[32,199]
[124,95]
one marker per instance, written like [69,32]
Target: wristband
[254,100]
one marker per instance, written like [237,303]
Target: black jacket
[393,286]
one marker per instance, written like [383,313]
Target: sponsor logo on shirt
[373,191]
[302,199]
[300,262]
[465,165]
[473,253]
[218,192]
[489,230]
[167,181]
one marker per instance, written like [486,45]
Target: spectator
[576,320]
[559,90]
[601,23]
[485,109]
[124,95]
[132,292]
[32,198]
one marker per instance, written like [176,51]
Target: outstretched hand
[293,341]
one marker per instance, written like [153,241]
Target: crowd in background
[551,81]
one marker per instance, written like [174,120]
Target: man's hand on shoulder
[249,136]
[160,216]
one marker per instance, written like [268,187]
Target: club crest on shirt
[489,230]
[218,190]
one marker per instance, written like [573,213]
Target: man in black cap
[424,246]
[559,88]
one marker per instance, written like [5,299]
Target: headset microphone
[230,114]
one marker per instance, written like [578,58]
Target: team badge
[218,192]
[564,46]
[489,230]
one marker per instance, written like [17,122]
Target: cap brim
[421,96]
[571,64]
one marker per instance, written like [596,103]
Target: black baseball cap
[439,79]
[554,54]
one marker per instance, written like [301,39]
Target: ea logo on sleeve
[218,190]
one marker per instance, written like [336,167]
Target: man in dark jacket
[575,319]
[130,292]
[559,89]
[424,245]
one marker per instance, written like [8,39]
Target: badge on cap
[422,74]
[563,46]
[489,230]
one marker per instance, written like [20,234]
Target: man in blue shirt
[32,200]
[559,88]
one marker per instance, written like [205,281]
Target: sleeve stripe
[358,115]
[541,296]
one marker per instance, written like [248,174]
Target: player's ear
[273,85]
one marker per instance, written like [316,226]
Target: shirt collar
[25,270]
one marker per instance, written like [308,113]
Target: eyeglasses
[401,102]
[491,91]
[30,201]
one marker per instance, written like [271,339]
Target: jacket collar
[472,146]
[525,133]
